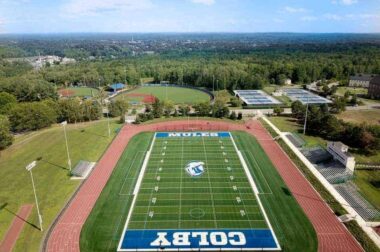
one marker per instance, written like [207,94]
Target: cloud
[278,20]
[289,9]
[309,18]
[84,8]
[205,2]
[345,2]
[2,24]
[334,17]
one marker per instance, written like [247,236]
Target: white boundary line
[254,187]
[135,192]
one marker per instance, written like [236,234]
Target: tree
[240,116]
[168,108]
[202,108]
[233,115]
[69,110]
[6,138]
[31,116]
[117,108]
[219,109]
[157,108]
[184,109]
[338,105]
[278,110]
[235,102]
[6,102]
[298,110]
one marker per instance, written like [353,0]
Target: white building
[340,152]
[361,80]
[288,82]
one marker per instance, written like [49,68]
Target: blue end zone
[199,239]
[192,134]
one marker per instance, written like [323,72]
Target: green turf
[51,175]
[175,94]
[210,195]
[104,226]
[83,91]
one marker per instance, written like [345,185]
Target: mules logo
[195,168]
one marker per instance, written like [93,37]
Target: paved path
[15,229]
[332,235]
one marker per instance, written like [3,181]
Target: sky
[67,16]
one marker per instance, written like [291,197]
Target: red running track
[332,235]
[15,229]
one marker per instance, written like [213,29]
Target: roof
[375,80]
[117,86]
[362,77]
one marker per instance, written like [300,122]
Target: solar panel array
[256,97]
[305,96]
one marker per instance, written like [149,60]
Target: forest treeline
[217,71]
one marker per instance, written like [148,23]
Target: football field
[195,191]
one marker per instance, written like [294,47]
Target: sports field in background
[78,91]
[221,199]
[177,95]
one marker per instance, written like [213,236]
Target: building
[288,82]
[117,87]
[374,87]
[340,152]
[360,80]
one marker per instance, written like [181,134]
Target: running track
[15,229]
[332,235]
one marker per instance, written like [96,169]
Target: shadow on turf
[50,163]
[93,133]
[3,207]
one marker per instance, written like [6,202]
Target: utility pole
[64,123]
[29,168]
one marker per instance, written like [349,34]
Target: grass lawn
[79,91]
[103,228]
[371,116]
[176,94]
[342,90]
[288,124]
[86,141]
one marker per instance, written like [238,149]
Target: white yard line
[254,187]
[209,181]
[180,189]
[152,191]
[135,192]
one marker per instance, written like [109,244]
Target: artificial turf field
[169,199]
[178,95]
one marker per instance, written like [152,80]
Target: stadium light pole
[307,108]
[108,121]
[64,123]
[29,168]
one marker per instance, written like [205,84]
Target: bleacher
[316,154]
[82,169]
[350,193]
[334,172]
[296,140]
